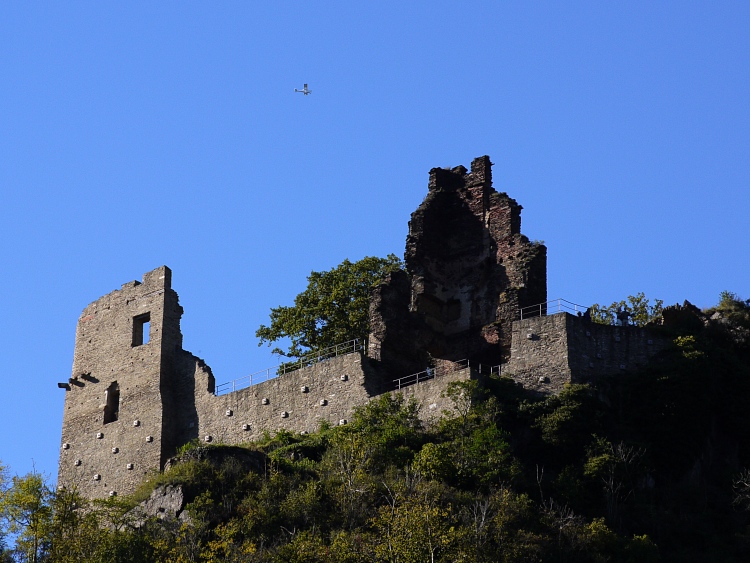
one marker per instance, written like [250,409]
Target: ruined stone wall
[539,354]
[469,271]
[134,398]
[549,351]
[100,455]
[301,400]
[166,394]
[296,401]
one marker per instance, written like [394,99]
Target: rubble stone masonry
[135,396]
[469,271]
[549,351]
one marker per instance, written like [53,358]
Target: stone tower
[121,416]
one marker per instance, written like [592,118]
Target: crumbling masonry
[135,395]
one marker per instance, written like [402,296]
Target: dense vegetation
[333,308]
[647,467]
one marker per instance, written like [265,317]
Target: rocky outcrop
[248,460]
[169,501]
[166,501]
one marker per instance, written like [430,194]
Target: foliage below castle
[479,423]
[647,467]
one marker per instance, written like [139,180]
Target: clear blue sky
[136,134]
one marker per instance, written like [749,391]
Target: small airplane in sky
[304,90]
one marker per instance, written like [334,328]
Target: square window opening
[141,329]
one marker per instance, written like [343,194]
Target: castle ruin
[135,395]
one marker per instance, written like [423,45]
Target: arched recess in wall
[111,403]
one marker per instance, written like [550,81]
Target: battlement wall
[301,400]
[549,351]
[296,401]
[136,396]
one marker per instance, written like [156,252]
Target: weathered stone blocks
[549,351]
[165,395]
[469,271]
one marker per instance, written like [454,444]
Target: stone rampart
[549,351]
[136,396]
[299,401]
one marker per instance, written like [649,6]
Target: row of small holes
[99,435]
[78,463]
[209,438]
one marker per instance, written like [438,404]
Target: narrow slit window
[111,403]
[141,329]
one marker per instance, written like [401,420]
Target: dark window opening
[111,403]
[141,329]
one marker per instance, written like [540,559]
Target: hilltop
[644,467]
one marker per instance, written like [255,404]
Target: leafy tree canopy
[640,308]
[333,309]
[25,506]
[732,307]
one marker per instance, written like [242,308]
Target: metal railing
[551,308]
[356,345]
[430,373]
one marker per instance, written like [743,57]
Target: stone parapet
[549,351]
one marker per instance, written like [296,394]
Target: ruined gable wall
[104,354]
[470,271]
[465,251]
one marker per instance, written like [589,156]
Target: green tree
[640,308]
[3,530]
[333,309]
[733,309]
[416,524]
[26,506]
[392,428]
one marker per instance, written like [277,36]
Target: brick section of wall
[105,354]
[547,352]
